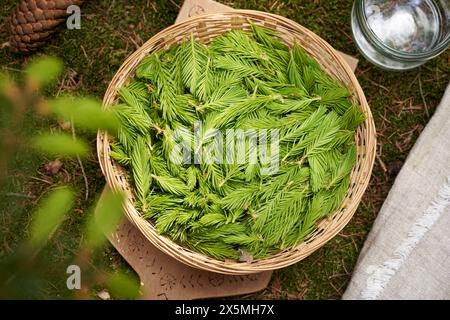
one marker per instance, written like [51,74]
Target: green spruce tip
[242,80]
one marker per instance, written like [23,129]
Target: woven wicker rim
[205,28]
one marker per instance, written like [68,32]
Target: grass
[111,30]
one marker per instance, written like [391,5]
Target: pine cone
[35,21]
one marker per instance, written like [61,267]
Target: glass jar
[401,34]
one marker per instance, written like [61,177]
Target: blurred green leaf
[60,145]
[4,81]
[123,286]
[6,106]
[108,213]
[44,70]
[50,214]
[85,113]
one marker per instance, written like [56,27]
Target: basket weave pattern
[206,28]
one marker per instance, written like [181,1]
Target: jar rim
[368,32]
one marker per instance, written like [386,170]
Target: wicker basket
[206,28]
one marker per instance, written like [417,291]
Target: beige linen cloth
[407,253]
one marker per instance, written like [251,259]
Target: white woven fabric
[407,253]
